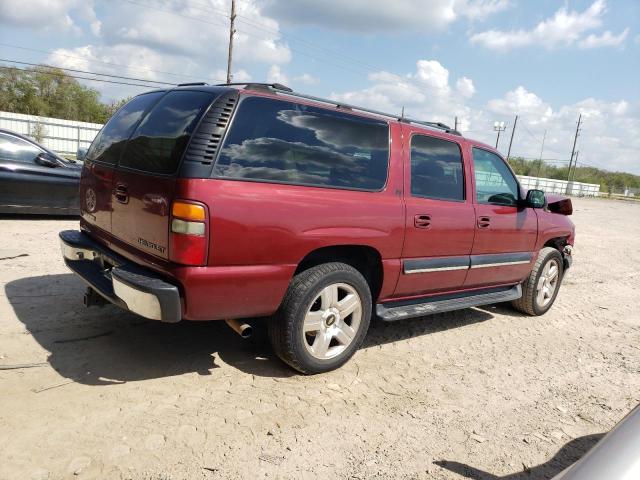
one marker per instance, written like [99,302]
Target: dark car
[212,202]
[35,180]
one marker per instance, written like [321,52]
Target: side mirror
[536,199]
[47,160]
[81,153]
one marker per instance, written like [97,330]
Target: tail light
[189,234]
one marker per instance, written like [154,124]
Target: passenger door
[439,220]
[505,230]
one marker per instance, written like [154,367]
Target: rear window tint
[159,141]
[109,143]
[284,142]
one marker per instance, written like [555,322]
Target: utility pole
[573,152]
[456,124]
[575,165]
[513,131]
[232,31]
[544,137]
[499,127]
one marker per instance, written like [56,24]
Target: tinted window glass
[17,150]
[436,169]
[158,143]
[110,141]
[278,141]
[494,181]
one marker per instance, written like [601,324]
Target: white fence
[550,185]
[62,136]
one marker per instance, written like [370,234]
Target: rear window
[283,142]
[159,141]
[110,141]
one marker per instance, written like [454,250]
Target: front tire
[323,318]
[540,289]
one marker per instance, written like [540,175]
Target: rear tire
[323,318]
[540,289]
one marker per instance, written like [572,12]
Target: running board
[391,313]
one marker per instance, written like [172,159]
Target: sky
[481,61]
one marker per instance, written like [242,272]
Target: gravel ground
[482,393]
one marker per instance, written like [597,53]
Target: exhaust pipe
[243,329]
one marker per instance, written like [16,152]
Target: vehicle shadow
[566,456]
[106,345]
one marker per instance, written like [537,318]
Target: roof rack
[283,89]
[192,84]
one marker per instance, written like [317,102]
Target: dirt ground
[481,393]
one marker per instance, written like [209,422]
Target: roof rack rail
[284,90]
[192,84]
[258,86]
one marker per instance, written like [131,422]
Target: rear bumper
[120,281]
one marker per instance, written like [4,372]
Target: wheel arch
[364,258]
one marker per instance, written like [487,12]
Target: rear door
[144,182]
[96,202]
[439,224]
[505,231]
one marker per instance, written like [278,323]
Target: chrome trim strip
[500,264]
[435,269]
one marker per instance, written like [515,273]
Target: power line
[139,69]
[6,67]
[84,71]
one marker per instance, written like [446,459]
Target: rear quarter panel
[259,233]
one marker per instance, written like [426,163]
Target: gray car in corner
[615,457]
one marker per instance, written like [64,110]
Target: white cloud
[188,37]
[382,15]
[220,76]
[606,39]
[275,75]
[426,94]
[565,28]
[465,87]
[520,101]
[480,9]
[96,28]
[44,13]
[305,79]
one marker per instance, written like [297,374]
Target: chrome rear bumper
[120,281]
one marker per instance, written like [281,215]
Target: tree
[49,92]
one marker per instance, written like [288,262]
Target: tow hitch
[91,298]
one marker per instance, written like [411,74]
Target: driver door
[505,231]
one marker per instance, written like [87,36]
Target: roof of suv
[276,89]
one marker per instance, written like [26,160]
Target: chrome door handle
[484,222]
[422,221]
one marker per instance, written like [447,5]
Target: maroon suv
[229,202]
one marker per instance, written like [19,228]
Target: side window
[283,142]
[436,169]
[15,149]
[494,181]
[108,144]
[160,139]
